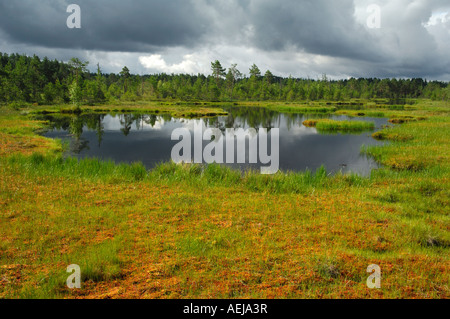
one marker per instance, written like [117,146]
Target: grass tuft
[345,126]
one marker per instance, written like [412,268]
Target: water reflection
[147,138]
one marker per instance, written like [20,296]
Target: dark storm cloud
[316,36]
[136,25]
[317,26]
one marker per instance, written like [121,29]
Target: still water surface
[147,138]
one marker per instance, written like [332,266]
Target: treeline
[33,80]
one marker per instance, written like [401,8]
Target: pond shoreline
[109,136]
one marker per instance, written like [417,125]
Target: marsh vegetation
[212,231]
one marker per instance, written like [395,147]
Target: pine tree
[254,71]
[99,94]
[218,71]
[232,76]
[125,73]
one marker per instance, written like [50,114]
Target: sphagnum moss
[196,232]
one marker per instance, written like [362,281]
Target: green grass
[173,109]
[371,114]
[414,146]
[302,109]
[206,231]
[95,169]
[190,174]
[343,126]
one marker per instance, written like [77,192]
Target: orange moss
[26,145]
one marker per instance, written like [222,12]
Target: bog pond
[146,138]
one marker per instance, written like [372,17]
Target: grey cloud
[136,25]
[230,29]
[318,26]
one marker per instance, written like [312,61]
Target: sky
[302,38]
